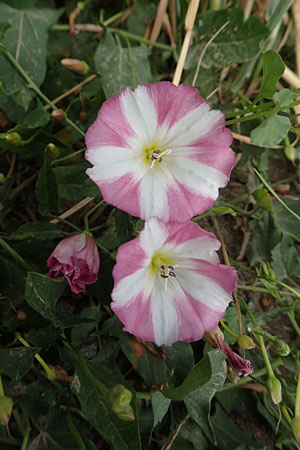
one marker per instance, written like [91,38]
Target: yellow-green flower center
[154,154]
[158,261]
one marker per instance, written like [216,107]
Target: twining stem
[135,37]
[65,158]
[1,387]
[66,222]
[229,331]
[86,217]
[73,430]
[260,339]
[34,87]
[297,402]
[49,372]
[27,431]
[269,187]
[16,255]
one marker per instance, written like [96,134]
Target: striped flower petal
[159,151]
[169,284]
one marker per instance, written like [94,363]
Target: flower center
[163,265]
[154,154]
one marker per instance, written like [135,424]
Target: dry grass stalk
[74,209]
[160,12]
[172,12]
[167,27]
[296,15]
[189,24]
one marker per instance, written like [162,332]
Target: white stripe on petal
[164,315]
[198,248]
[153,236]
[111,163]
[153,194]
[203,289]
[140,113]
[192,126]
[131,286]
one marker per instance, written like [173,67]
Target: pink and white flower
[159,151]
[169,284]
[77,259]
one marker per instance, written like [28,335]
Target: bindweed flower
[169,285]
[77,258]
[159,151]
[241,365]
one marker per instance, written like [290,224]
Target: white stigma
[167,271]
[157,156]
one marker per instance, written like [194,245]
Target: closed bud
[52,151]
[2,178]
[51,374]
[245,342]
[280,347]
[290,153]
[75,65]
[274,389]
[6,406]
[21,315]
[119,399]
[13,138]
[58,115]
[295,424]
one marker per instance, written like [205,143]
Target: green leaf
[73,184]
[263,199]
[285,259]
[229,435]
[113,63]
[180,359]
[42,293]
[284,97]
[287,223]
[199,376]
[271,131]
[265,237]
[26,39]
[160,405]
[273,68]
[38,117]
[46,189]
[237,43]
[16,362]
[37,230]
[121,435]
[198,402]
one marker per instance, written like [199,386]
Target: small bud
[82,116]
[296,428]
[274,389]
[80,5]
[58,115]
[281,347]
[13,138]
[75,65]
[2,178]
[119,399]
[245,342]
[290,153]
[52,151]
[51,374]
[21,315]
[6,406]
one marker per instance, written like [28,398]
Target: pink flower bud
[77,258]
[241,365]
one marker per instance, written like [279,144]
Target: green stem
[297,402]
[293,321]
[248,110]
[257,374]
[73,430]
[65,158]
[113,18]
[286,286]
[1,387]
[49,372]
[66,222]
[135,37]
[269,187]
[259,289]
[143,395]
[229,331]
[34,87]
[16,255]
[27,432]
[86,217]
[244,119]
